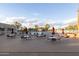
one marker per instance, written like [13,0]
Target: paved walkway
[41,45]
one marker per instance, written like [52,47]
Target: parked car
[33,33]
[54,37]
[25,37]
[11,35]
[41,34]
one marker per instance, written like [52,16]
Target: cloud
[24,20]
[71,21]
[30,22]
[10,20]
[33,20]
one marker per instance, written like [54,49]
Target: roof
[3,25]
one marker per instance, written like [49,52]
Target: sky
[30,14]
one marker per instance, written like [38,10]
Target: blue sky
[55,13]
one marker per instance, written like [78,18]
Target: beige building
[78,19]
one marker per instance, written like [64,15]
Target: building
[78,19]
[6,28]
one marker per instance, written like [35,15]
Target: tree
[71,27]
[75,27]
[17,24]
[25,29]
[42,28]
[47,26]
[36,27]
[31,29]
